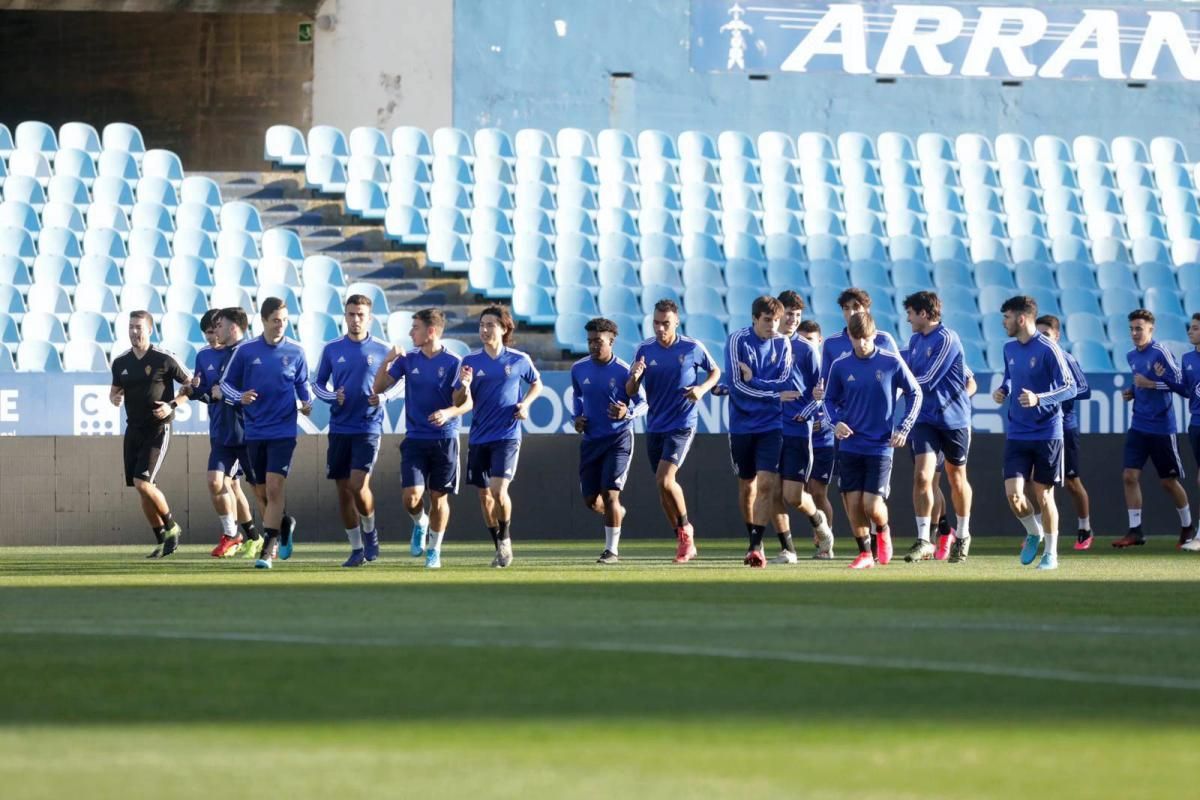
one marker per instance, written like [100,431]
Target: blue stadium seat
[411,141]
[237,243]
[782,222]
[745,272]
[38,356]
[824,299]
[107,215]
[179,326]
[1119,300]
[656,144]
[94,297]
[54,270]
[448,251]
[1150,251]
[141,297]
[366,199]
[153,216]
[186,299]
[1084,327]
[704,300]
[1075,275]
[992,273]
[571,143]
[326,174]
[617,272]
[974,356]
[823,247]
[75,163]
[822,222]
[961,299]
[952,272]
[322,298]
[661,272]
[318,270]
[571,170]
[1115,275]
[578,272]
[1105,250]
[1070,248]
[12,301]
[579,299]
[1047,300]
[906,272]
[653,293]
[43,326]
[48,298]
[1092,356]
[739,301]
[14,272]
[315,326]
[24,189]
[229,296]
[1163,301]
[828,273]
[618,300]
[34,136]
[652,221]
[86,326]
[79,135]
[1081,301]
[705,327]
[31,165]
[990,300]
[786,273]
[964,323]
[775,144]
[406,224]
[488,277]
[1156,275]
[379,303]
[1034,275]
[145,269]
[60,241]
[16,214]
[569,332]
[866,247]
[285,146]
[869,273]
[784,247]
[149,243]
[277,269]
[947,248]
[230,270]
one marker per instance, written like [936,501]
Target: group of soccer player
[801,410]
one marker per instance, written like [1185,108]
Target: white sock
[229,525]
[1085,523]
[420,519]
[612,539]
[964,527]
[367,522]
[923,528]
[1031,526]
[1185,515]
[433,540]
[355,537]
[1051,544]
[1037,518]
[1135,517]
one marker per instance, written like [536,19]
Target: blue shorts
[822,466]
[1160,448]
[432,463]
[1194,438]
[672,446]
[755,452]
[1071,452]
[1039,460]
[231,460]
[270,455]
[350,451]
[492,460]
[604,463]
[952,445]
[796,459]
[863,473]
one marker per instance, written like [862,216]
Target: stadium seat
[1163,302]
[406,224]
[784,246]
[6,142]
[12,301]
[19,243]
[573,170]
[95,297]
[1156,275]
[781,221]
[1115,275]
[76,164]
[569,332]
[1092,356]
[575,271]
[532,304]
[153,216]
[447,250]
[379,302]
[27,190]
[123,137]
[285,146]
[320,298]
[950,272]
[278,269]
[325,174]
[281,291]
[186,299]
[85,326]
[533,143]
[36,137]
[1076,275]
[662,272]
[1119,300]
[1070,248]
[1034,274]
[38,356]
[824,247]
[237,243]
[180,326]
[43,326]
[411,141]
[611,300]
[704,300]
[829,273]
[537,273]
[54,270]
[229,296]
[163,164]
[488,277]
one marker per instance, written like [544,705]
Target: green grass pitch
[197,678]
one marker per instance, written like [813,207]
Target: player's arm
[303,390]
[908,384]
[462,385]
[637,370]
[808,369]
[177,373]
[115,392]
[1062,382]
[784,382]
[713,374]
[320,386]
[949,350]
[459,406]
[534,378]
[233,380]
[1082,390]
[578,418]
[636,403]
[1005,387]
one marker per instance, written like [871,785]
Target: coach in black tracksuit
[145,377]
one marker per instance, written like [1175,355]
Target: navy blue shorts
[824,459]
[863,473]
[1038,460]
[953,445]
[432,463]
[672,446]
[796,459]
[755,452]
[233,461]
[1160,448]
[604,463]
[350,451]
[492,460]
[1194,438]
[270,455]
[1071,452]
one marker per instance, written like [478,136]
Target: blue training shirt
[754,405]
[428,387]
[595,387]
[279,374]
[837,345]
[1154,409]
[1189,385]
[225,424]
[1037,365]
[806,373]
[496,391]
[1082,392]
[670,371]
[861,392]
[350,365]
[936,361]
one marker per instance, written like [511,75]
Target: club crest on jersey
[1032,362]
[507,370]
[681,357]
[929,351]
[148,369]
[879,375]
[285,360]
[612,381]
[441,372]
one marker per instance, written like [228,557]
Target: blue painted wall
[513,70]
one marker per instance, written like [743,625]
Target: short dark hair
[146,315]
[766,305]
[506,321]
[236,315]
[1196,316]
[209,319]
[269,306]
[928,302]
[432,317]
[791,300]
[667,304]
[359,300]
[1050,321]
[1021,304]
[1143,314]
[861,325]
[852,295]
[809,326]
[601,325]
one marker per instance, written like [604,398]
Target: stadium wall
[552,65]
[70,491]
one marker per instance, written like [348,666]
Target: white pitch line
[695,651]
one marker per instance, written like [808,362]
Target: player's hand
[720,390]
[394,353]
[1027,399]
[747,373]
[618,410]
[341,396]
[899,438]
[161,410]
[580,424]
[1159,369]
[638,368]
[790,395]
[521,412]
[1142,382]
[439,417]
[819,391]
[1127,394]
[374,400]
[1000,394]
[842,431]
[249,396]
[692,394]
[817,425]
[306,408]
[465,375]
[216,393]
[195,382]
[115,396]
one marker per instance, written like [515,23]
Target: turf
[190,677]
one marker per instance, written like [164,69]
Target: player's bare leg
[924,472]
[670,496]
[962,496]
[497,513]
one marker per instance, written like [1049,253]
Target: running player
[267,375]
[796,458]
[433,417]
[603,413]
[225,463]
[1035,369]
[348,364]
[861,400]
[943,428]
[144,377]
[758,365]
[821,471]
[492,376]
[1049,325]
[668,366]
[1190,388]
[1151,434]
